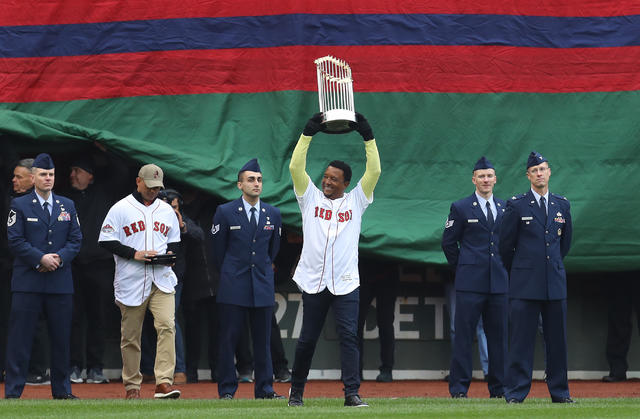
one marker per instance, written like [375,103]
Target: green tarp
[428,144]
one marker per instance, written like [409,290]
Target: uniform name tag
[527,218]
[472,220]
[235,227]
[269,227]
[32,219]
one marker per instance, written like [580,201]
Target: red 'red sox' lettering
[327,214]
[161,227]
[139,226]
[135,227]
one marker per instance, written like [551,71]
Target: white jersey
[142,228]
[331,231]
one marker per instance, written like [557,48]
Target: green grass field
[318,408]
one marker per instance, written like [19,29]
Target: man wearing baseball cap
[137,228]
[535,236]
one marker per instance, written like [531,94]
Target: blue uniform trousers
[315,308]
[523,325]
[232,323]
[470,308]
[25,311]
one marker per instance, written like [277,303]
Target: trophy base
[338,121]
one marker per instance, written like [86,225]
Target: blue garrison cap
[483,163]
[252,165]
[535,159]
[43,161]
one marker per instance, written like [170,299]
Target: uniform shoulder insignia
[11,220]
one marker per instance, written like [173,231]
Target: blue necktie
[253,222]
[47,215]
[489,215]
[543,207]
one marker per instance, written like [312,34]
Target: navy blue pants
[523,325]
[233,320]
[315,308]
[470,308]
[25,311]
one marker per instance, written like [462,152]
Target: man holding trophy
[327,272]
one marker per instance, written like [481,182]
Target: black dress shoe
[226,396]
[65,397]
[354,401]
[513,401]
[272,395]
[613,379]
[496,396]
[562,400]
[459,396]
[295,398]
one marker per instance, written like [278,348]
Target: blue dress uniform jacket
[472,247]
[245,261]
[30,237]
[533,248]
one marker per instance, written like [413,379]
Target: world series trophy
[335,95]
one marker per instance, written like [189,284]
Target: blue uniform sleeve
[274,244]
[74,237]
[508,234]
[452,235]
[565,241]
[18,244]
[219,236]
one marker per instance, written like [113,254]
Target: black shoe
[459,395]
[446,378]
[272,395]
[496,396]
[295,398]
[384,377]
[513,401]
[226,396]
[613,379]
[65,397]
[354,401]
[562,400]
[11,396]
[282,376]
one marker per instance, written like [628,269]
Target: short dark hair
[346,169]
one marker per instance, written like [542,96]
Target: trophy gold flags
[335,95]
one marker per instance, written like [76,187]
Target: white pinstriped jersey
[142,228]
[331,231]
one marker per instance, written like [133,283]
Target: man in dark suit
[44,236]
[246,240]
[535,236]
[470,243]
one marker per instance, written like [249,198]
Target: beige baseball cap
[152,175]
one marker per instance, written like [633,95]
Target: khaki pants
[162,307]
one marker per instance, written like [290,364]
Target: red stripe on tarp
[51,12]
[438,69]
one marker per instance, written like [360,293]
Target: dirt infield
[325,388]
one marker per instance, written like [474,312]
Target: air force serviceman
[534,239]
[246,240]
[44,236]
[470,243]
